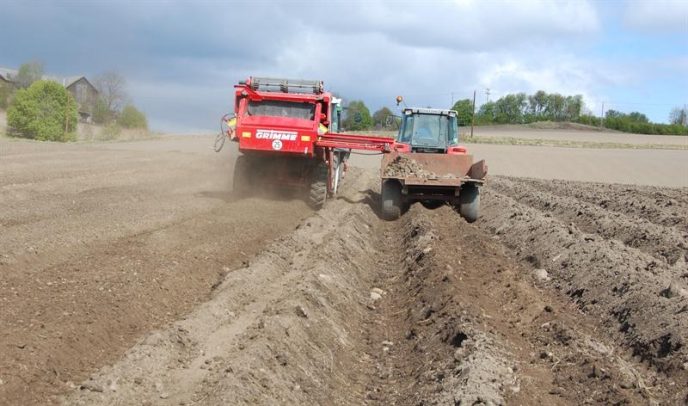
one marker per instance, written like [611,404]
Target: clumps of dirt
[666,207]
[471,326]
[667,244]
[441,355]
[623,286]
[482,372]
[283,330]
[403,166]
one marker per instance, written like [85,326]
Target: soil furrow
[662,206]
[466,323]
[638,299]
[664,243]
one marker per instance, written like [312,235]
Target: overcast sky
[182,58]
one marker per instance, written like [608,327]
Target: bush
[589,119]
[132,118]
[639,124]
[45,111]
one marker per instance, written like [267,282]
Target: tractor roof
[420,110]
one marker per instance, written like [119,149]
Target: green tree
[510,108]
[29,73]
[638,117]
[464,110]
[45,111]
[131,117]
[381,118]
[555,107]
[357,117]
[486,114]
[573,105]
[538,102]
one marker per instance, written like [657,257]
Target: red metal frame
[281,135]
[302,137]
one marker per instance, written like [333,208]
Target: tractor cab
[429,130]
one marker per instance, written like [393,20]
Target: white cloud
[471,25]
[182,59]
[657,15]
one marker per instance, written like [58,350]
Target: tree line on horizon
[520,108]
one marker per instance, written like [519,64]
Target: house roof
[66,81]
[7,73]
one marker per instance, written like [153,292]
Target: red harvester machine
[287,133]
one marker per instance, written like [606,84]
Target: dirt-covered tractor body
[427,164]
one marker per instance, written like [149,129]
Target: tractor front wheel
[469,202]
[391,200]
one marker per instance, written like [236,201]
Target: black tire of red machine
[318,190]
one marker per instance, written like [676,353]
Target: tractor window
[429,130]
[452,131]
[278,108]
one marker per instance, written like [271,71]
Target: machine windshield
[429,130]
[278,108]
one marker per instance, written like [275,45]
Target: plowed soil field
[131,274]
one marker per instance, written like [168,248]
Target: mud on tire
[469,202]
[318,189]
[392,205]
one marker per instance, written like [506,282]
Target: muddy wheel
[469,203]
[318,191]
[242,176]
[391,200]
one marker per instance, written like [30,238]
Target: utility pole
[487,95]
[602,116]
[452,95]
[473,115]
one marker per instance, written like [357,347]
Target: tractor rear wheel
[242,176]
[318,190]
[469,202]
[391,200]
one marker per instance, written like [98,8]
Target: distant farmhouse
[81,89]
